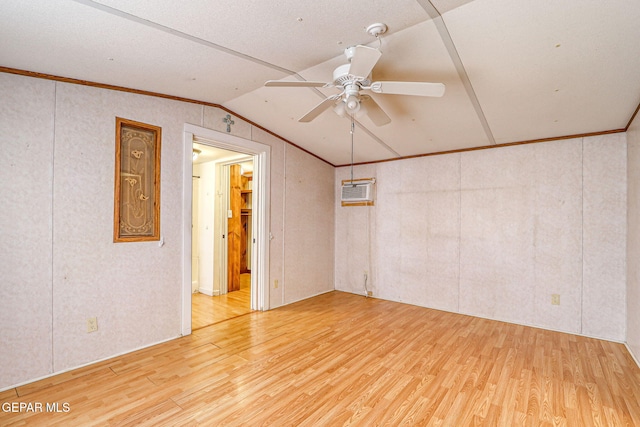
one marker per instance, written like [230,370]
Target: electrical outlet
[275,283]
[369,293]
[92,324]
[555,299]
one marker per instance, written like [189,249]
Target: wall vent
[357,191]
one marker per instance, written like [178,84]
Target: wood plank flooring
[207,310]
[342,359]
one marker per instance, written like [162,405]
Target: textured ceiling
[514,70]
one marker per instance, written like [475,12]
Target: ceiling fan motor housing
[341,77]
[351,85]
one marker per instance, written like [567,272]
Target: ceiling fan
[353,78]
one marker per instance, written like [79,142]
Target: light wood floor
[207,310]
[342,359]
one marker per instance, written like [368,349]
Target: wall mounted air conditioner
[357,191]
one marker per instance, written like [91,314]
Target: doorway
[257,249]
[222,234]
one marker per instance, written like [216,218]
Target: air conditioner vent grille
[357,191]
[354,192]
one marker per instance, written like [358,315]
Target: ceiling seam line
[183,35]
[457,62]
[378,140]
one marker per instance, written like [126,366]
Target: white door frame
[260,217]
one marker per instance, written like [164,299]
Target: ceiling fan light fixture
[341,109]
[352,104]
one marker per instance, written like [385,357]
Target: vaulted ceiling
[514,70]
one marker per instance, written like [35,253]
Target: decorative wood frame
[136,210]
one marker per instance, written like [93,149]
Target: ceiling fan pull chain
[352,128]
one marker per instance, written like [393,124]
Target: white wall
[494,233]
[130,287]
[308,237]
[206,204]
[195,236]
[633,239]
[26,183]
[59,263]
[604,237]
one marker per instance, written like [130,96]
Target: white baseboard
[206,291]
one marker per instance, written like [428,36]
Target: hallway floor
[207,310]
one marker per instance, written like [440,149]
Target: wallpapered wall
[633,240]
[494,233]
[489,233]
[59,263]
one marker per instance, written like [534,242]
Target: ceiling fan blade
[408,88]
[373,110]
[315,112]
[363,60]
[281,83]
